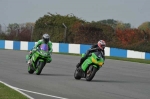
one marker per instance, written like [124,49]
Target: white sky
[134,12]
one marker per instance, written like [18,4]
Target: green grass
[8,93]
[117,58]
[129,59]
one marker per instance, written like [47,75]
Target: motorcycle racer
[99,47]
[45,40]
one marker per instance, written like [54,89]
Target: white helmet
[101,44]
[46,38]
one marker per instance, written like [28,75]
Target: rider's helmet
[101,44]
[46,38]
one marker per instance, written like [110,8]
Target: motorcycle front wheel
[90,73]
[30,70]
[39,68]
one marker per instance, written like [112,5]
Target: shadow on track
[105,81]
[109,81]
[54,75]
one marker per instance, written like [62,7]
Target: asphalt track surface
[115,80]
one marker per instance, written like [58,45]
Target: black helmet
[46,38]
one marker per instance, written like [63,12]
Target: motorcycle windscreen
[44,47]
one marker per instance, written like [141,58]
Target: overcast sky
[134,12]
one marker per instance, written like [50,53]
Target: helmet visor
[103,46]
[46,40]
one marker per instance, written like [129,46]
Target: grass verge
[9,93]
[116,58]
[129,59]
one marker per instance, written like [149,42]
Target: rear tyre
[40,67]
[30,71]
[77,74]
[90,73]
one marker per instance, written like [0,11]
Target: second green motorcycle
[89,67]
[39,59]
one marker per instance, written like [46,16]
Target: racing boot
[78,65]
[81,61]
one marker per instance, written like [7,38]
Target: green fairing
[42,57]
[89,61]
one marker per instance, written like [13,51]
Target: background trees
[71,29]
[53,25]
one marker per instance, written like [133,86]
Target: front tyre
[40,67]
[77,74]
[90,73]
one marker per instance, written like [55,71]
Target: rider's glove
[30,52]
[33,50]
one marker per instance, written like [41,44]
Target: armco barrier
[74,48]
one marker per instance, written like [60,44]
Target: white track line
[42,94]
[16,90]
[19,90]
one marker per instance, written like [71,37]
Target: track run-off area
[115,80]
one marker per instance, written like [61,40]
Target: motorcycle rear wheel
[77,74]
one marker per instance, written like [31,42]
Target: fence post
[64,32]
[0,29]
[31,32]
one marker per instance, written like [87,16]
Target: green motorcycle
[39,59]
[90,66]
